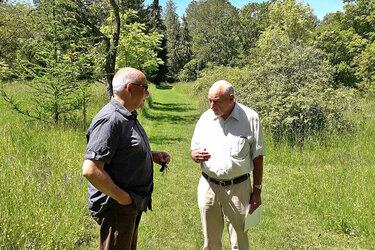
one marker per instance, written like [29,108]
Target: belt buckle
[222,183]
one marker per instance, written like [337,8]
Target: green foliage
[53,64]
[254,19]
[136,5]
[360,15]
[344,37]
[289,85]
[15,28]
[173,35]
[341,46]
[155,23]
[297,20]
[5,71]
[365,70]
[214,28]
[136,48]
[190,71]
[186,52]
[178,41]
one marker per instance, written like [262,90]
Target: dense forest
[298,71]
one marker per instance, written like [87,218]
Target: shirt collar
[122,110]
[235,113]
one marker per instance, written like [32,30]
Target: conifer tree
[173,35]
[185,42]
[154,23]
[60,59]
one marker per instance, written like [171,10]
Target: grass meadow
[318,196]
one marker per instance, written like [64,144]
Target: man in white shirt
[228,144]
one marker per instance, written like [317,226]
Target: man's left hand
[255,200]
[160,157]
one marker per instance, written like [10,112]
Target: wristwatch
[258,187]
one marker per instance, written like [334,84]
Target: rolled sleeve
[102,141]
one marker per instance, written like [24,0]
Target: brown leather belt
[227,182]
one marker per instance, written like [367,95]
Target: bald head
[125,76]
[130,88]
[221,98]
[223,87]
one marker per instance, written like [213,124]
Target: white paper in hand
[252,219]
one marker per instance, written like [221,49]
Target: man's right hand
[125,200]
[199,155]
[94,172]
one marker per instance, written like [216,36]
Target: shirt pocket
[239,147]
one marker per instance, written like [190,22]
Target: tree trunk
[110,65]
[111,48]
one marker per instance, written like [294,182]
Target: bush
[290,86]
[190,71]
[5,72]
[365,71]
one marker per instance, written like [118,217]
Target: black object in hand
[164,166]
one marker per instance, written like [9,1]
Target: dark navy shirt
[116,137]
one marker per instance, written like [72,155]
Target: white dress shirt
[233,143]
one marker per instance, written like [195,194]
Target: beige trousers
[218,204]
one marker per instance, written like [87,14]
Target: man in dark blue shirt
[119,163]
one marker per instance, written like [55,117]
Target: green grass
[41,189]
[319,196]
[174,222]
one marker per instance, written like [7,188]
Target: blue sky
[321,7]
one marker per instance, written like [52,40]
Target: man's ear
[128,87]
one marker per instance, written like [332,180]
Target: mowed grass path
[169,121]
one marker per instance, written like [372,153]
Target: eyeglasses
[140,85]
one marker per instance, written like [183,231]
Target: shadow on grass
[160,140]
[164,86]
[170,107]
[176,119]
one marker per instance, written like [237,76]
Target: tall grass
[42,193]
[333,176]
[319,195]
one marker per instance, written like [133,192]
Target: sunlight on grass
[317,196]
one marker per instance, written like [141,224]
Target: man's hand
[255,200]
[94,172]
[200,155]
[160,157]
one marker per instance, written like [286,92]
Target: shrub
[190,71]
[290,86]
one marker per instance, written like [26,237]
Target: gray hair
[227,87]
[123,77]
